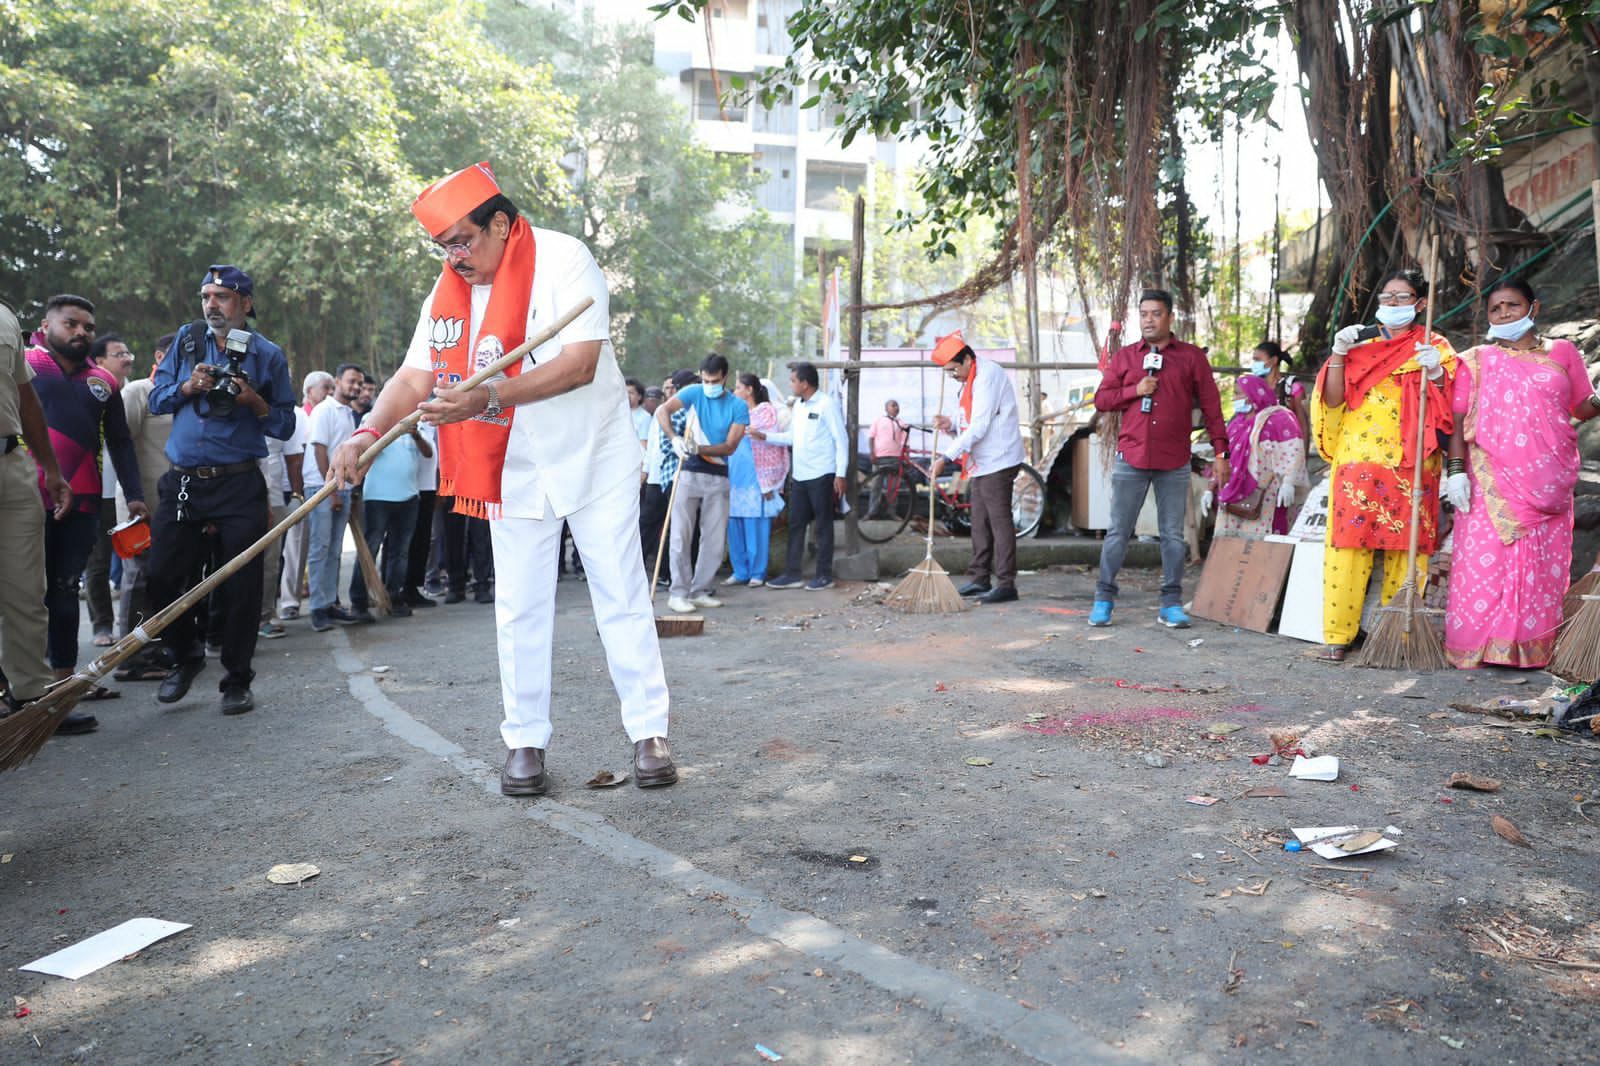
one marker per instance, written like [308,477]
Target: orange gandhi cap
[948,348]
[453,197]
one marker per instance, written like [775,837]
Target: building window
[772,26]
[781,118]
[775,164]
[831,186]
[706,106]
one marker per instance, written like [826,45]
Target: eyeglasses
[457,249]
[1397,299]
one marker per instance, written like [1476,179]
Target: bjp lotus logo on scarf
[445,333]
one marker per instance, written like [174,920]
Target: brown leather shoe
[652,763]
[524,773]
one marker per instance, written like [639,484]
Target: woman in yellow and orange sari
[1364,422]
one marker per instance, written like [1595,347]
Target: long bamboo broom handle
[1422,429]
[146,633]
[666,523]
[933,483]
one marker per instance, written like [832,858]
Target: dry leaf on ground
[1508,830]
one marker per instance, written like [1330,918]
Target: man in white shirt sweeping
[988,432]
[551,442]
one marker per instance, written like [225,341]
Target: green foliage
[145,140]
[898,269]
[955,73]
[693,264]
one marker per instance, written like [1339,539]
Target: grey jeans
[703,497]
[1129,485]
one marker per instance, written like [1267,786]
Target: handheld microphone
[1152,365]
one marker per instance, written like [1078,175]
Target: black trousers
[466,543]
[652,514]
[233,512]
[67,544]
[810,503]
[421,541]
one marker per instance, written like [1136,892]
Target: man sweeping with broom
[550,443]
[988,441]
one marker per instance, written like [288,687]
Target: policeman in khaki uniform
[22,613]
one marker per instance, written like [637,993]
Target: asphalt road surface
[927,839]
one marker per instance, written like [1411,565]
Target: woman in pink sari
[1269,464]
[1513,465]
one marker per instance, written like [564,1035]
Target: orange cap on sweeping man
[549,442]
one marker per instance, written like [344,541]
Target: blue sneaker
[1100,614]
[1174,618]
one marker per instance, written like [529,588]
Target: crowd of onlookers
[721,456]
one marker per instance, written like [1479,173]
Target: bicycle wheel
[898,503]
[1027,501]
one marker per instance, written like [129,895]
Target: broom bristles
[25,732]
[926,589]
[1577,654]
[1404,638]
[1587,585]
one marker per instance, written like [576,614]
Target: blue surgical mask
[1260,370]
[1241,407]
[711,391]
[1511,331]
[1397,317]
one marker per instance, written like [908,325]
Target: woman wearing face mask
[755,474]
[1267,362]
[1269,464]
[1513,466]
[1364,422]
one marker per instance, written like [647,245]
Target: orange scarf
[968,387]
[1372,361]
[472,453]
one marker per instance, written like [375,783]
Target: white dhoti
[606,531]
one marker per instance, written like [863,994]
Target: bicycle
[898,490]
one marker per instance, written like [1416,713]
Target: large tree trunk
[1346,67]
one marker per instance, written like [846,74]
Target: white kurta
[571,458]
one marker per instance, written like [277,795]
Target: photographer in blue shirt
[227,389]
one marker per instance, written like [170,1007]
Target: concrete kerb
[1041,1035]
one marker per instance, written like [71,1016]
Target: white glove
[1428,358]
[1458,490]
[1206,501]
[1346,339]
[1285,494]
[684,447]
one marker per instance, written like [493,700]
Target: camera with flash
[223,397]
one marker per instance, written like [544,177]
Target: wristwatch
[493,410]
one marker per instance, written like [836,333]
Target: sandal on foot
[100,692]
[1333,653]
[142,673]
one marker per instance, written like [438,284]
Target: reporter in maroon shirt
[1153,449]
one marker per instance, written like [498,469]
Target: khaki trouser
[22,613]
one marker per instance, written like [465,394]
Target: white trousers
[606,532]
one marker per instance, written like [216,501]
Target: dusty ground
[1059,901]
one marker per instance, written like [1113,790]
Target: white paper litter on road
[102,949]
[1324,840]
[1321,768]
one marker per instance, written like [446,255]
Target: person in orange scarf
[550,443]
[1364,422]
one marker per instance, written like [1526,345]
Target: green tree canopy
[146,139]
